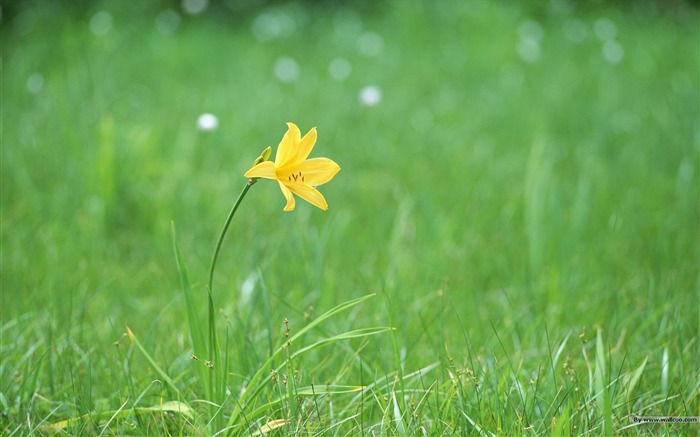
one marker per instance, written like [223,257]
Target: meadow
[511,247]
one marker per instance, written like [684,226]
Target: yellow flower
[294,173]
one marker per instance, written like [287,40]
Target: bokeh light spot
[347,24]
[370,95]
[35,83]
[286,69]
[100,23]
[339,69]
[167,22]
[605,29]
[24,22]
[207,122]
[613,51]
[528,49]
[530,30]
[273,23]
[370,44]
[528,46]
[193,7]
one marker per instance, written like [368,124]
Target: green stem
[223,231]
[213,346]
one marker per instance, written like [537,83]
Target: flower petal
[310,194]
[318,171]
[306,145]
[288,195]
[265,169]
[288,147]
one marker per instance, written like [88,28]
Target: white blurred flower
[167,22]
[207,122]
[370,95]
[347,24]
[286,69]
[100,23]
[531,34]
[613,51]
[339,69]
[194,7]
[247,288]
[528,49]
[273,23]
[370,44]
[35,83]
[605,29]
[531,29]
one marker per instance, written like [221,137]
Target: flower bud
[264,156]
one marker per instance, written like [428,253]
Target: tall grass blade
[164,376]
[557,354]
[259,380]
[602,391]
[634,378]
[398,415]
[664,372]
[193,319]
[561,427]
[114,416]
[476,426]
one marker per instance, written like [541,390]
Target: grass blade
[602,391]
[634,378]
[194,322]
[169,407]
[260,378]
[164,376]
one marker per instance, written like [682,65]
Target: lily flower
[293,172]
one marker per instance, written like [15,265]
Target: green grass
[519,210]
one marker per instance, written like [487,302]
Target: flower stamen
[296,177]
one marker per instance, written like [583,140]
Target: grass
[511,246]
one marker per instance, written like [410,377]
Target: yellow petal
[306,145]
[288,195]
[310,194]
[287,148]
[318,171]
[265,169]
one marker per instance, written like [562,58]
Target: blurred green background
[508,168]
